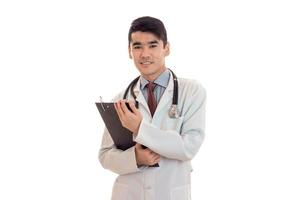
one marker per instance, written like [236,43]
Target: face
[148,53]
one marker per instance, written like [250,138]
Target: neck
[152,77]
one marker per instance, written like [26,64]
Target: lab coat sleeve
[172,144]
[116,160]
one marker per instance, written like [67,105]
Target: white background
[58,56]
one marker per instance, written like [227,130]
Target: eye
[153,45]
[136,47]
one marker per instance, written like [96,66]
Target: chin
[145,69]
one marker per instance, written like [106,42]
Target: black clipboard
[122,137]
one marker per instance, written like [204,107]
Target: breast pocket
[172,124]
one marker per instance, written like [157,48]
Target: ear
[129,52]
[167,49]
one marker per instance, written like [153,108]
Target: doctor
[172,141]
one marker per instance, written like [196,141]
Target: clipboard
[121,136]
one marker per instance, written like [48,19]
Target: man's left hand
[129,120]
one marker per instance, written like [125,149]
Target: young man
[161,138]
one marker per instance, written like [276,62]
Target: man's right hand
[145,156]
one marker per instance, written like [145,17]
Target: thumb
[138,146]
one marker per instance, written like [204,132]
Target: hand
[129,120]
[145,156]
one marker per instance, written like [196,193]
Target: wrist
[136,158]
[136,130]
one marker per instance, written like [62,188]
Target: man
[171,142]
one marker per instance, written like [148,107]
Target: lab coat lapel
[165,99]
[140,97]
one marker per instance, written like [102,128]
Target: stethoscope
[173,111]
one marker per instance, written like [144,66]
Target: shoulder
[192,94]
[191,86]
[118,97]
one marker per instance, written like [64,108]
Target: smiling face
[148,53]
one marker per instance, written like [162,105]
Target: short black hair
[151,25]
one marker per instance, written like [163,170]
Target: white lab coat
[176,140]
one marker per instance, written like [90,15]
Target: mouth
[146,63]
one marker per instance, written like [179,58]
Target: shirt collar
[162,80]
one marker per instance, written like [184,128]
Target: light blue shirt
[161,84]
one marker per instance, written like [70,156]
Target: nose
[145,53]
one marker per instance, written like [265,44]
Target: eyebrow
[139,43]
[153,42]
[136,43]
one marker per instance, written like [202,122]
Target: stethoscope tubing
[175,92]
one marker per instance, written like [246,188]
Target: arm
[116,160]
[132,160]
[171,144]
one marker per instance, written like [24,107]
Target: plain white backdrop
[57,57]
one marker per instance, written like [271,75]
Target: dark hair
[151,25]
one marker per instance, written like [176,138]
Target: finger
[133,108]
[155,157]
[156,160]
[124,107]
[152,152]
[148,151]
[121,111]
[117,109]
[151,158]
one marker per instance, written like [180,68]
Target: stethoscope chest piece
[173,112]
